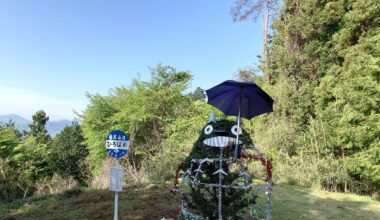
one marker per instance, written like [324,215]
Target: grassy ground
[291,202]
[155,202]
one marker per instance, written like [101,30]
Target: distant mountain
[20,122]
[53,127]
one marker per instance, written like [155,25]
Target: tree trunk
[265,32]
[344,166]
[266,22]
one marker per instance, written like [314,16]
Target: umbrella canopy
[233,97]
[241,99]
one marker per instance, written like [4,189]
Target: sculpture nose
[221,132]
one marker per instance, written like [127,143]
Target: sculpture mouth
[219,141]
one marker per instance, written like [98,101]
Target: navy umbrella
[241,99]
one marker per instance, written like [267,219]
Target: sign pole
[116,146]
[115,216]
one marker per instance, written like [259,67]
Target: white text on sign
[116,144]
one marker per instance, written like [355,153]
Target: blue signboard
[117,144]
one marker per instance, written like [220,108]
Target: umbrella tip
[212,117]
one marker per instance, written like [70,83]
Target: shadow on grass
[291,202]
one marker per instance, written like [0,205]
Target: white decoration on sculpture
[255,209]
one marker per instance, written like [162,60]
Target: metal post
[116,205]
[220,186]
[237,137]
[238,124]
[115,216]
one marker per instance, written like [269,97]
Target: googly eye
[234,130]
[208,129]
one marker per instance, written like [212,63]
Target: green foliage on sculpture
[214,135]
[210,171]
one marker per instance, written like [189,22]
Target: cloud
[26,102]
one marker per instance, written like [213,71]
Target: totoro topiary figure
[217,185]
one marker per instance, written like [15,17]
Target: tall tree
[37,127]
[348,95]
[32,154]
[245,9]
[324,75]
[198,94]
[144,110]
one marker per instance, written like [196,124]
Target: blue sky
[52,52]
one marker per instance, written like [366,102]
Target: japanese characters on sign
[117,144]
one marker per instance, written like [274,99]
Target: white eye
[234,130]
[208,129]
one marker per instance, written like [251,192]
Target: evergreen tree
[37,127]
[198,94]
[32,154]
[68,154]
[323,71]
[348,95]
